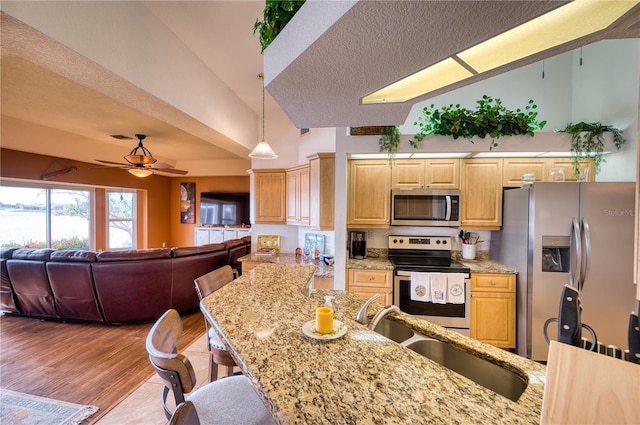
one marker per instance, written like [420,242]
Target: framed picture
[188,203]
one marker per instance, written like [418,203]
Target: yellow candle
[324,320]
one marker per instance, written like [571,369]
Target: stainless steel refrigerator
[569,233]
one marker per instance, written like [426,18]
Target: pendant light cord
[261,77]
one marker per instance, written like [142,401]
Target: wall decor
[188,203]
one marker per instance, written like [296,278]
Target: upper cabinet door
[369,193]
[481,193]
[442,173]
[268,192]
[426,173]
[407,174]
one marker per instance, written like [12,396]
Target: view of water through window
[24,216]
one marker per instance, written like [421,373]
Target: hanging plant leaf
[276,14]
[587,141]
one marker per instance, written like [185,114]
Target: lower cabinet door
[493,318]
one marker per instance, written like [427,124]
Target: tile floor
[144,405]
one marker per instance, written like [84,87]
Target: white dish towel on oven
[420,287]
[439,288]
[455,288]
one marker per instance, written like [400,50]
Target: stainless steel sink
[482,372]
[393,330]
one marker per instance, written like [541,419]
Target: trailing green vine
[389,140]
[490,118]
[587,141]
[276,14]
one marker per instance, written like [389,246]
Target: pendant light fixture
[262,150]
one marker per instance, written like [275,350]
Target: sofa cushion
[232,243]
[32,254]
[134,254]
[7,252]
[80,256]
[195,250]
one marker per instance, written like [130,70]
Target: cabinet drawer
[493,282]
[386,296]
[378,278]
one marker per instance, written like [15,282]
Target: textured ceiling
[318,73]
[56,101]
[46,85]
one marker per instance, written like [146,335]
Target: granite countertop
[480,265]
[322,270]
[361,377]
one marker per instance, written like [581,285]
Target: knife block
[583,387]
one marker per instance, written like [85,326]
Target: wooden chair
[185,414]
[231,401]
[218,354]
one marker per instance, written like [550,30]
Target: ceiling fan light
[263,151]
[140,172]
[140,159]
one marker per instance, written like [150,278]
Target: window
[45,217]
[121,219]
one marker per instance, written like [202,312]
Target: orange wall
[182,234]
[161,212]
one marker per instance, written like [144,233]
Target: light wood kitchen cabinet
[369,194]
[514,168]
[297,195]
[493,309]
[567,167]
[322,187]
[481,193]
[426,173]
[268,196]
[368,282]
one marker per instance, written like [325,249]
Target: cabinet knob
[370,277]
[493,283]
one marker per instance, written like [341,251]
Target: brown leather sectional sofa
[109,286]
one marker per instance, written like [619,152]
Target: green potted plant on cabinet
[587,141]
[490,118]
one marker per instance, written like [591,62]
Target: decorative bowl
[328,260]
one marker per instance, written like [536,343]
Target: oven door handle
[408,273]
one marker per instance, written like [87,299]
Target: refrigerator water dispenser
[556,253]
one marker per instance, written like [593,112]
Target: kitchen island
[361,377]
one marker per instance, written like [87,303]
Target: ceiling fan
[141,163]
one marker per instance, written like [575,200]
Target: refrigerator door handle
[574,276]
[586,263]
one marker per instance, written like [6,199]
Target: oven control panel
[440,243]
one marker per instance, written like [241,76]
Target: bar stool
[218,354]
[229,401]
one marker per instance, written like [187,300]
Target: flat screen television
[224,209]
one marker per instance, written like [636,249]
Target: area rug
[24,409]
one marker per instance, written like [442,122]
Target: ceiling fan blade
[161,165]
[111,162]
[169,170]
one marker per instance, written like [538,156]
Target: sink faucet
[381,314]
[362,317]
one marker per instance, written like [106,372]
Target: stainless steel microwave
[425,207]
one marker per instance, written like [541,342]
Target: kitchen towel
[455,288]
[420,287]
[439,288]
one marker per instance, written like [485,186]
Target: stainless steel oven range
[428,254]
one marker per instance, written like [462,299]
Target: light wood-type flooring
[105,366]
